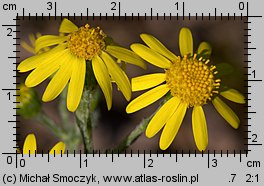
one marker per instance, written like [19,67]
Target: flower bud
[28,102]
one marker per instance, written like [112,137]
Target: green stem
[64,113]
[85,112]
[44,119]
[72,140]
[133,136]
[83,119]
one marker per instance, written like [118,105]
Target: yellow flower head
[74,48]
[191,82]
[30,146]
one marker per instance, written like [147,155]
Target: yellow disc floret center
[86,42]
[192,80]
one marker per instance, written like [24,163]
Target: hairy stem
[84,118]
[71,139]
[133,136]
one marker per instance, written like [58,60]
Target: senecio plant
[81,62]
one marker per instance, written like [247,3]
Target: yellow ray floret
[199,128]
[172,127]
[186,42]
[147,81]
[151,56]
[103,79]
[30,146]
[147,98]
[233,95]
[162,116]
[226,112]
[157,46]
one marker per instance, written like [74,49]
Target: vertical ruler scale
[12,32]
[238,164]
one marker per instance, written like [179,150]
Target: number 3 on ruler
[214,164]
[49,5]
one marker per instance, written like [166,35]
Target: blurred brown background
[226,38]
